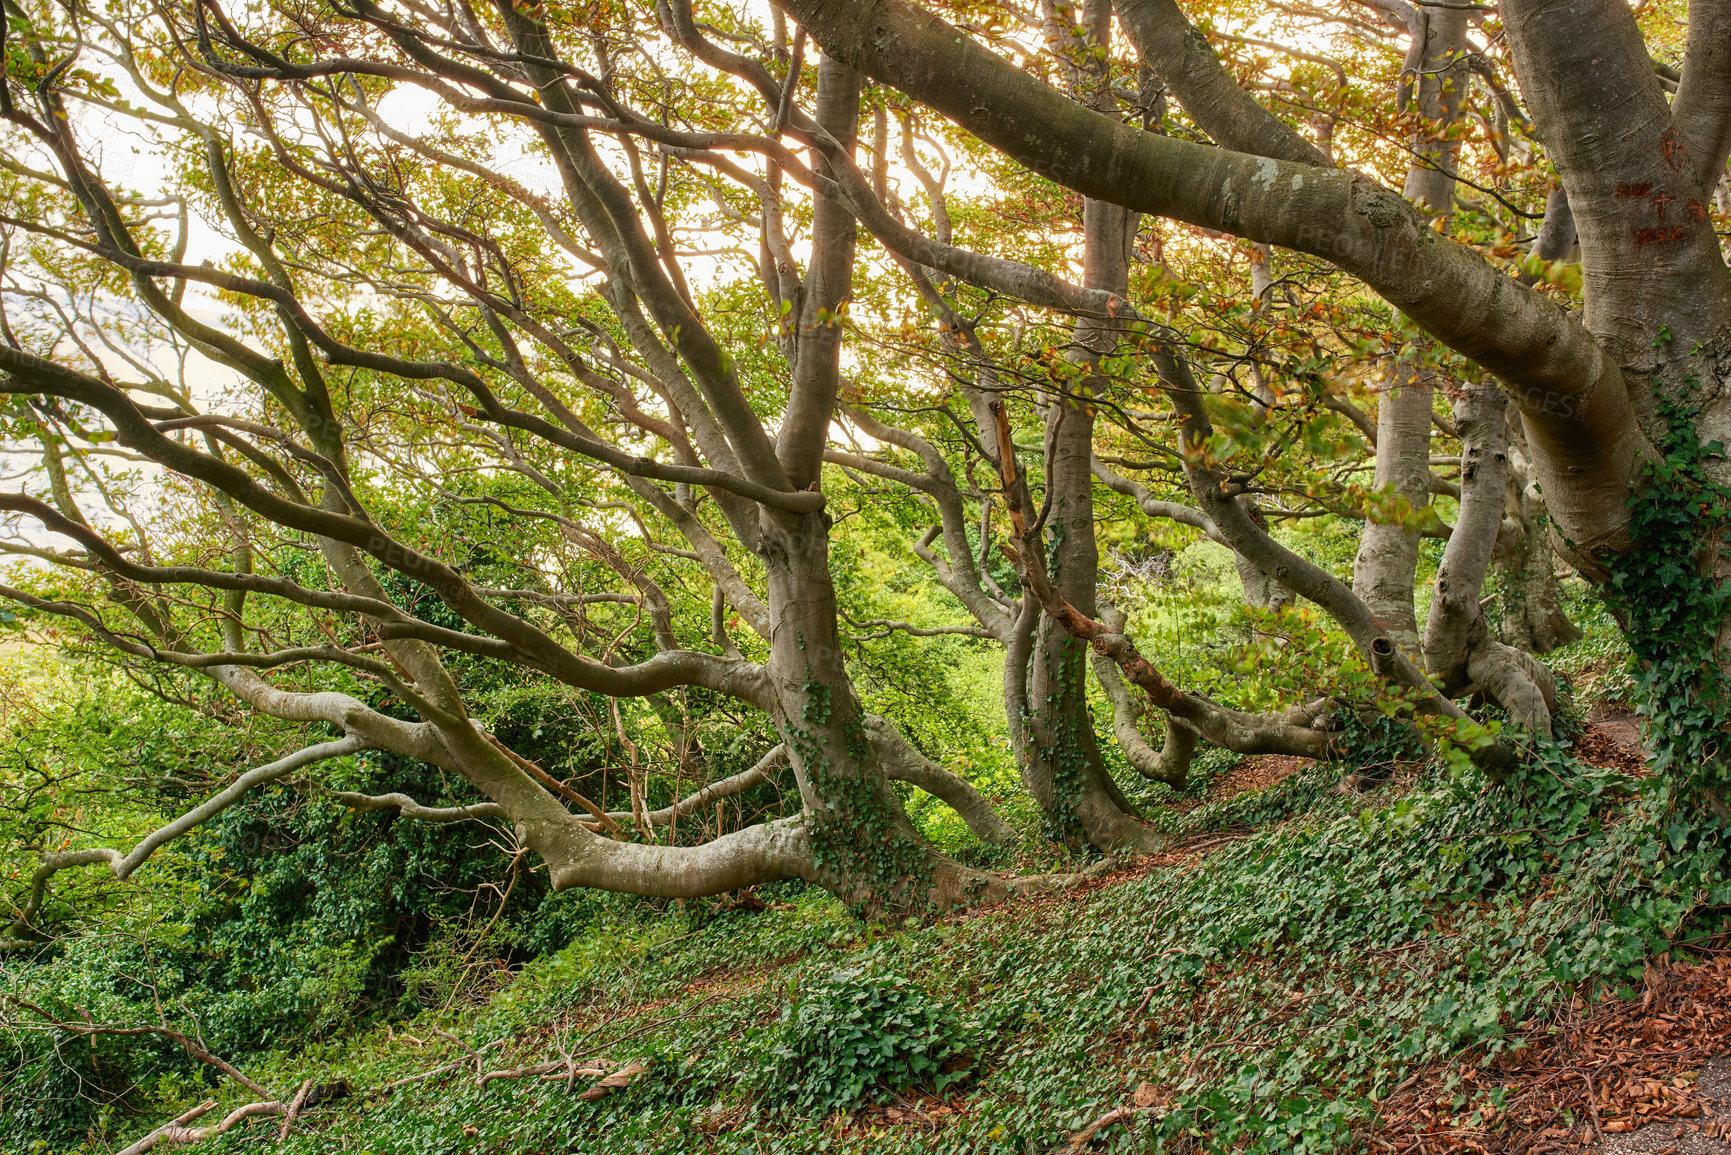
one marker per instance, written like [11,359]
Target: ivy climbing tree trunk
[863,847]
[1060,753]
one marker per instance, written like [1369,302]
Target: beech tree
[1638,172]
[285,464]
[415,309]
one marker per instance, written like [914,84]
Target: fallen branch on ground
[555,1069]
[300,1100]
[179,1134]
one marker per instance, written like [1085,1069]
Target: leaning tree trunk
[1387,563]
[1062,765]
[1059,752]
[863,847]
[1459,651]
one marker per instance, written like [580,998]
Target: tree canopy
[689,371]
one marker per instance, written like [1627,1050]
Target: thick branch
[1170,763]
[1701,110]
[1184,60]
[904,763]
[1570,390]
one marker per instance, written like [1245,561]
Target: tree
[284,464]
[416,312]
[1638,173]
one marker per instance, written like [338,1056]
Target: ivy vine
[1666,593]
[855,833]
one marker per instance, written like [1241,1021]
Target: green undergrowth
[1322,947]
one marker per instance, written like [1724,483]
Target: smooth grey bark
[1657,293]
[1261,590]
[827,288]
[1701,110]
[1440,52]
[1530,613]
[856,824]
[1178,52]
[1460,652]
[1387,563]
[904,763]
[1169,764]
[864,848]
[1571,392]
[1555,240]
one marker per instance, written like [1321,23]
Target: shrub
[856,1035]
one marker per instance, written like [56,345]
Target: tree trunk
[1261,590]
[1387,563]
[863,847]
[1459,650]
[1058,751]
[1530,613]
[1062,765]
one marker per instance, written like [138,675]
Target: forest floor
[1428,966]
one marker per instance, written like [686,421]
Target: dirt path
[1613,740]
[1706,1135]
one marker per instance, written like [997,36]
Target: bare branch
[124,863]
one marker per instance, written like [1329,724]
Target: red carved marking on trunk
[1660,236]
[1697,210]
[1634,190]
[1660,200]
[1672,148]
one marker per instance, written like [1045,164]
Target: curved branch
[904,763]
[1459,650]
[1169,764]
[409,808]
[890,625]
[759,773]
[190,1045]
[342,354]
[1154,507]
[1293,732]
[178,1134]
[766,852]
[124,863]
[1181,56]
